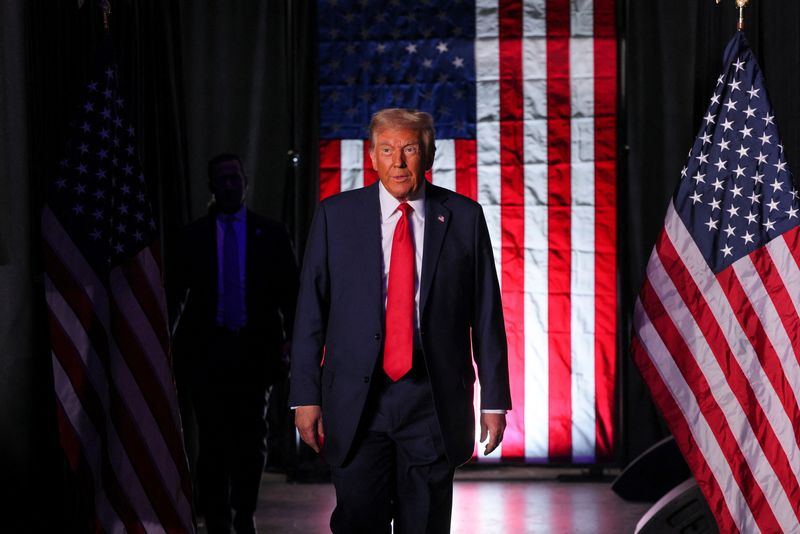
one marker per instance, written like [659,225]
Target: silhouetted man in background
[233,284]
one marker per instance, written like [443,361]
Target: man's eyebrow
[412,143]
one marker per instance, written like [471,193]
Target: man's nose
[398,159]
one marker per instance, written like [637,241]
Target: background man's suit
[229,372]
[341,308]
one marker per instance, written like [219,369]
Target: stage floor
[495,500]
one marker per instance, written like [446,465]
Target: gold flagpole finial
[741,4]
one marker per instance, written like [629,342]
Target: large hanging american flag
[718,316]
[116,400]
[523,94]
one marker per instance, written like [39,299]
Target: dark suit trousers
[397,469]
[232,434]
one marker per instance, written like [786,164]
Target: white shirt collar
[389,203]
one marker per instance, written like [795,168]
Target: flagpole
[105,5]
[741,4]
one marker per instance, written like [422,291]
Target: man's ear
[429,159]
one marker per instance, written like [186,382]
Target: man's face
[228,183]
[397,157]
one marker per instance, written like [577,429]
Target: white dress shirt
[389,217]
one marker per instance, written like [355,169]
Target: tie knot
[405,208]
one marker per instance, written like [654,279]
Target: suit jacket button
[377,337]
[366,380]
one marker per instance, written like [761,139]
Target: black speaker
[682,510]
[653,473]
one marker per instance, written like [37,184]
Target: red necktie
[399,343]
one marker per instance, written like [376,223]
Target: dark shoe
[217,526]
[245,525]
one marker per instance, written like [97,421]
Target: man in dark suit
[398,291]
[235,277]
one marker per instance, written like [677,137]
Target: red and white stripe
[543,166]
[117,403]
[720,355]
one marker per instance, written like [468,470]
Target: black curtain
[250,78]
[29,456]
[672,54]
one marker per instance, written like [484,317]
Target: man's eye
[410,150]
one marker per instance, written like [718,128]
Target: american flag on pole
[718,317]
[523,94]
[116,400]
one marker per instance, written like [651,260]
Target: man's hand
[493,425]
[308,420]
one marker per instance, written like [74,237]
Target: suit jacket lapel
[437,219]
[370,239]
[249,258]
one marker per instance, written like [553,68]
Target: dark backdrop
[240,76]
[248,69]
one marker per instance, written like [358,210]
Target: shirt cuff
[494,411]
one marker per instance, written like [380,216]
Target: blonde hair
[411,119]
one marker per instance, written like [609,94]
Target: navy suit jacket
[270,294]
[341,313]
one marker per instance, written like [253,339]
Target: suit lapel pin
[440,218]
